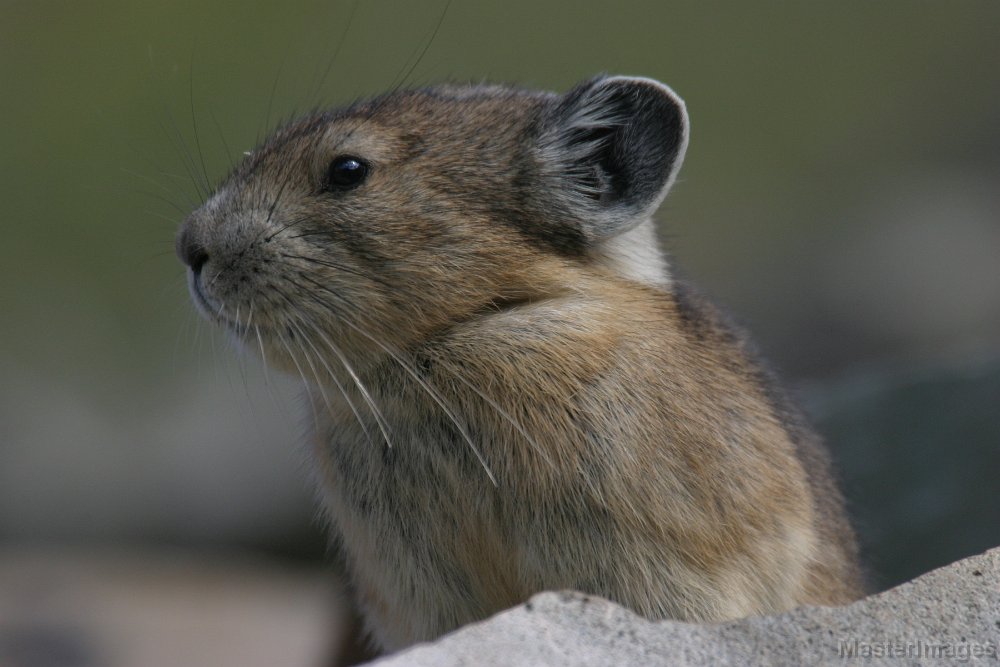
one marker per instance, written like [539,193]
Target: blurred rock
[918,453]
[215,457]
[948,616]
[69,608]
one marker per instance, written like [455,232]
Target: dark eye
[346,172]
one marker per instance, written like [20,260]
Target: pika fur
[511,392]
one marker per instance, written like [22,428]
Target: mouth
[211,311]
[201,301]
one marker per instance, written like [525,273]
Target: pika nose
[190,251]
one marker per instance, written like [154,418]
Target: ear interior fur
[611,149]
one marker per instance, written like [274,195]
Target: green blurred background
[840,196]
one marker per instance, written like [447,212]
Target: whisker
[330,373]
[433,393]
[159,184]
[318,86]
[409,66]
[222,136]
[277,197]
[242,358]
[427,45]
[513,422]
[274,87]
[260,341]
[194,127]
[302,375]
[339,267]
[380,419]
[309,362]
[183,151]
[336,382]
[435,396]
[161,216]
[496,406]
[295,221]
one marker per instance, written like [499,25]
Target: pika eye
[346,172]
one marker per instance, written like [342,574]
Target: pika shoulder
[511,391]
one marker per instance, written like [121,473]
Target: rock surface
[948,616]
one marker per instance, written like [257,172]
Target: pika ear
[611,148]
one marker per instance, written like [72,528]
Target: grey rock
[947,616]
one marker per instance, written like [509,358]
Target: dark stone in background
[919,456]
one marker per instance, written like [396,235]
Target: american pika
[511,391]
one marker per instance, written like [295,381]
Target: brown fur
[510,395]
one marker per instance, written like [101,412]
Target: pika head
[399,216]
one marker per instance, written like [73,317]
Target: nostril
[197,256]
[190,251]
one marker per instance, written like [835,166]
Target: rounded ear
[610,149]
